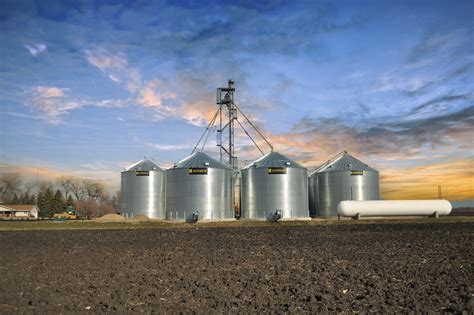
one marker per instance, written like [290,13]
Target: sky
[89,87]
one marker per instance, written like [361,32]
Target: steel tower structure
[227,113]
[227,116]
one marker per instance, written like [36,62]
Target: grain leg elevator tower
[225,119]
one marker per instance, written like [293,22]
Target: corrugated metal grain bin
[342,178]
[199,183]
[274,183]
[143,190]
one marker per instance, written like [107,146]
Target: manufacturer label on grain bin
[357,173]
[197,171]
[277,170]
[142,173]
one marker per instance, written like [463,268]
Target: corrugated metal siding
[339,179]
[274,159]
[146,164]
[263,193]
[200,159]
[345,162]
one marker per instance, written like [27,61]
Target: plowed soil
[279,269]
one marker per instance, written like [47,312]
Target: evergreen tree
[42,205]
[48,198]
[57,204]
[39,200]
[70,201]
[32,200]
[46,203]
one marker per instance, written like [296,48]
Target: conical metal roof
[147,164]
[200,159]
[274,159]
[344,162]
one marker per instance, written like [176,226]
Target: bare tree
[29,187]
[92,199]
[10,184]
[63,183]
[84,207]
[45,184]
[74,186]
[94,190]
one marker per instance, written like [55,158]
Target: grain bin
[342,178]
[199,183]
[143,190]
[274,183]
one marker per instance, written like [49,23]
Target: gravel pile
[111,217]
[141,218]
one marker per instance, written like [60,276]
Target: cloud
[439,58]
[189,95]
[167,147]
[105,61]
[312,140]
[154,95]
[396,81]
[50,92]
[162,146]
[193,102]
[114,78]
[53,102]
[151,95]
[115,67]
[22,115]
[113,103]
[435,45]
[439,104]
[36,49]
[56,102]
[197,100]
[134,82]
[278,31]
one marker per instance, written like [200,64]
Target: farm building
[19,211]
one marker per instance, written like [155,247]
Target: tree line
[89,197]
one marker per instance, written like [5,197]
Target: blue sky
[88,87]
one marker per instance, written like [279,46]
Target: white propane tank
[370,208]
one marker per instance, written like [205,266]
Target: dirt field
[386,268]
